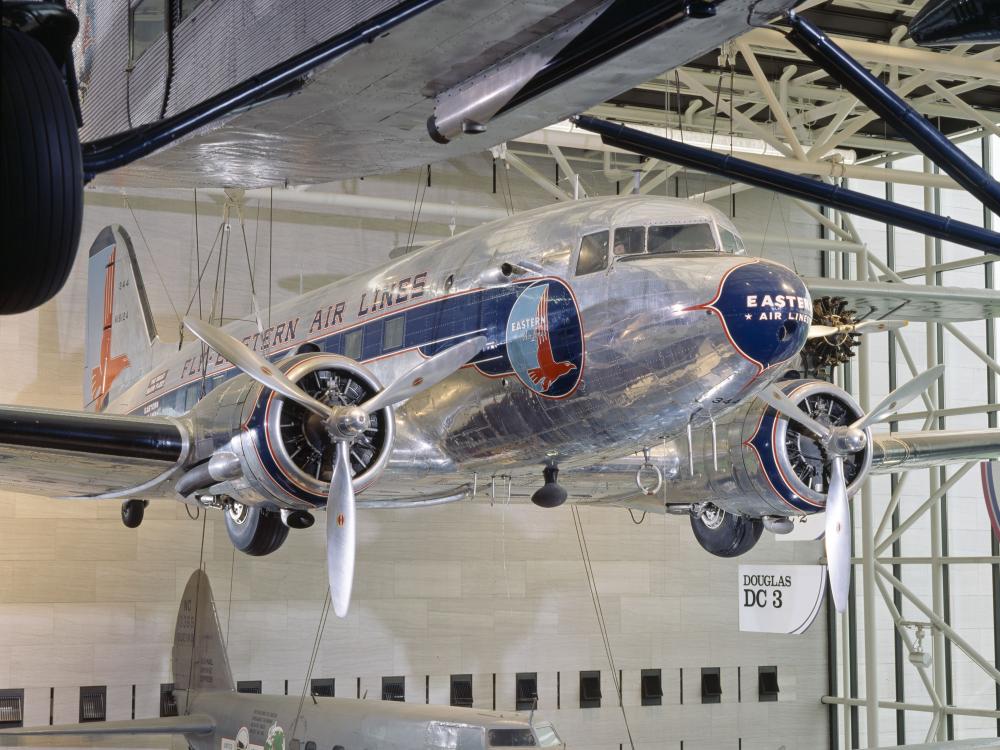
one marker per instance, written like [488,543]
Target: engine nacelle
[761,463]
[284,453]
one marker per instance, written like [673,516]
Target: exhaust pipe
[297,519]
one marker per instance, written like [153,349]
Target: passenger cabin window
[680,238]
[593,253]
[146,24]
[392,334]
[629,240]
[731,243]
[352,344]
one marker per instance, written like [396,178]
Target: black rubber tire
[133,512]
[261,532]
[42,175]
[732,538]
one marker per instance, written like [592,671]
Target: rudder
[199,655]
[120,329]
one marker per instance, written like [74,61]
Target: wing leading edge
[189,724]
[880,299]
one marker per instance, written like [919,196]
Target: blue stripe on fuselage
[429,327]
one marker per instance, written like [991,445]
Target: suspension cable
[599,611]
[152,258]
[324,613]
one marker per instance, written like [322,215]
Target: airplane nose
[765,311]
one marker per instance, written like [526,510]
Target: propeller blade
[838,536]
[900,397]
[879,326]
[427,373]
[818,331]
[776,398]
[254,365]
[340,531]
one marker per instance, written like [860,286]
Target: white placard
[780,598]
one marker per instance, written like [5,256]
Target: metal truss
[883,569]
[763,90]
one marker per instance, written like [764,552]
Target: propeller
[343,424]
[840,442]
[817,331]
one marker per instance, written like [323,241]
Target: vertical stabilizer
[200,661]
[120,328]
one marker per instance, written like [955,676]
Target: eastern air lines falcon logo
[545,339]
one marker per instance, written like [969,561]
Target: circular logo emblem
[545,339]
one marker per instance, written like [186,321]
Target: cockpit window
[547,736]
[512,737]
[593,253]
[629,240]
[680,238]
[731,243]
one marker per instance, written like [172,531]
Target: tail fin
[120,328]
[200,661]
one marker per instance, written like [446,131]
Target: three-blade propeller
[840,442]
[817,331]
[343,425]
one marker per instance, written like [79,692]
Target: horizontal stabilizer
[190,724]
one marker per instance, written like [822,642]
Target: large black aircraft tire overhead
[42,175]
[255,531]
[725,534]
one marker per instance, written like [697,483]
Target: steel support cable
[320,628]
[599,611]
[152,258]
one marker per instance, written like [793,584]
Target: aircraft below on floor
[211,714]
[545,348]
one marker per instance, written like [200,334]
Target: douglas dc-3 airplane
[211,714]
[553,343]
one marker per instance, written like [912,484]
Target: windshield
[680,238]
[731,243]
[547,736]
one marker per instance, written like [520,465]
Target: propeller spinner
[343,424]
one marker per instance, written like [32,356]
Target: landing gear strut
[133,511]
[551,494]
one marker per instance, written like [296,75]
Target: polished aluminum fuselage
[655,357]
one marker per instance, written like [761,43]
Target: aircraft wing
[902,451]
[190,724]
[366,112]
[65,451]
[914,302]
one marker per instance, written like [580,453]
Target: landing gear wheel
[725,534]
[254,531]
[42,175]
[133,512]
